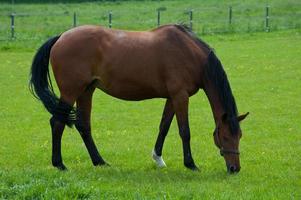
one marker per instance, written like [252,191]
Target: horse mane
[185,29]
[215,73]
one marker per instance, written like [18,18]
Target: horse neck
[214,100]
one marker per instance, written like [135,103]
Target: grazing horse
[168,62]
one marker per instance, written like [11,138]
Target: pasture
[265,76]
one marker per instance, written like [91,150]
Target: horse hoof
[106,165]
[192,167]
[61,167]
[102,164]
[195,168]
[158,160]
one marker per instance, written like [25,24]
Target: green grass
[264,71]
[36,21]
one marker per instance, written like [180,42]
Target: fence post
[190,19]
[158,17]
[230,15]
[110,19]
[267,17]
[12,25]
[74,19]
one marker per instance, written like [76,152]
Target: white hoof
[158,159]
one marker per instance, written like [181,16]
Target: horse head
[228,142]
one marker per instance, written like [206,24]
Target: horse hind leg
[71,88]
[63,114]
[83,125]
[57,122]
[166,120]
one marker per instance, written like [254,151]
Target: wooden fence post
[12,25]
[158,17]
[267,17]
[190,19]
[159,10]
[74,19]
[110,19]
[230,15]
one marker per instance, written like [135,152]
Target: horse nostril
[232,168]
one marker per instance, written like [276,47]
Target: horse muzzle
[231,169]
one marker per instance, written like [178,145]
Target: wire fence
[38,25]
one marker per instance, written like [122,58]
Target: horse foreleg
[180,104]
[166,120]
[83,125]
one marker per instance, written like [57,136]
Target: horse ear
[242,117]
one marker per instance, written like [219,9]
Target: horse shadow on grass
[152,174]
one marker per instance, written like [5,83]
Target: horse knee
[83,129]
[57,125]
[185,137]
[185,134]
[80,128]
[52,121]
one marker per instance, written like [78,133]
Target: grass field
[265,75]
[264,71]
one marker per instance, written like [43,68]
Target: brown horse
[168,62]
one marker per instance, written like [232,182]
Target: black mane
[184,28]
[215,73]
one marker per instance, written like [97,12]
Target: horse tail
[41,87]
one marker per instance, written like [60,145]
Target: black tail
[41,87]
